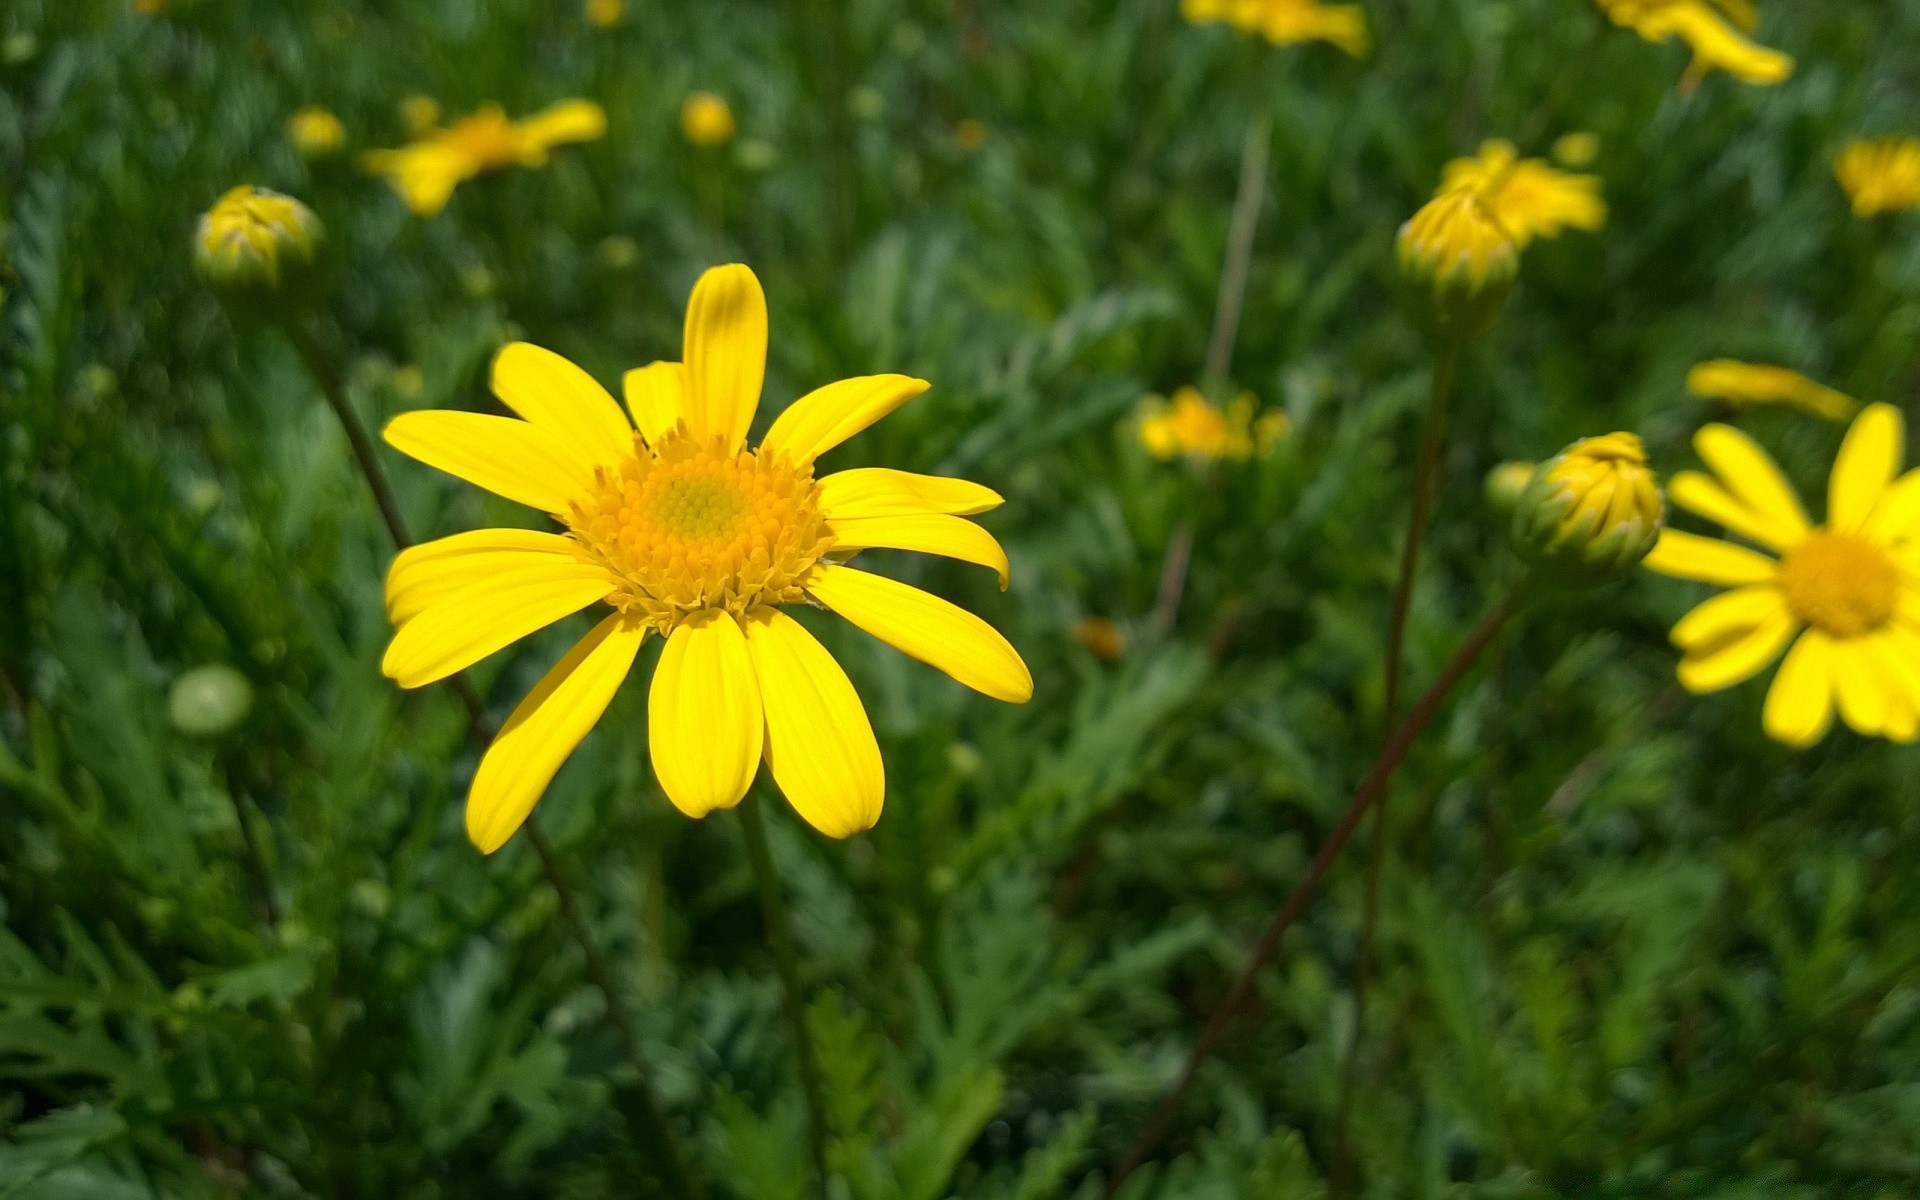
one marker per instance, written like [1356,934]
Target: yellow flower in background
[1845,595]
[1191,426]
[1101,638]
[707,120]
[1881,176]
[1709,30]
[680,529]
[1287,22]
[1576,149]
[426,172]
[315,132]
[605,14]
[421,114]
[1528,196]
[1742,384]
[1460,260]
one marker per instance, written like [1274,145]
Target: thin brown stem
[1234,267]
[1173,578]
[1364,798]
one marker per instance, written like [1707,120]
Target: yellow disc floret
[689,528]
[1840,583]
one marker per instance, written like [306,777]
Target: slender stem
[1173,577]
[1234,267]
[1433,435]
[648,1116]
[256,862]
[1364,798]
[773,910]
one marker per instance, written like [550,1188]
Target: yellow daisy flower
[707,120]
[1194,427]
[1845,595]
[1530,197]
[1881,176]
[1287,22]
[679,528]
[1709,30]
[426,172]
[1743,383]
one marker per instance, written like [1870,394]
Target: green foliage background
[1630,948]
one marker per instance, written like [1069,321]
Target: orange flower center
[689,529]
[1840,583]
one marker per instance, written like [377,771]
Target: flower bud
[209,701]
[1505,483]
[1459,263]
[315,132]
[253,244]
[706,120]
[1591,513]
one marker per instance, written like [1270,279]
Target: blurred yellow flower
[1287,22]
[1743,383]
[426,172]
[1192,426]
[1590,513]
[1101,637]
[971,134]
[421,114]
[680,529]
[1881,176]
[1708,28]
[408,381]
[149,8]
[1844,595]
[1461,261]
[707,120]
[252,238]
[606,13]
[1576,149]
[315,132]
[1530,198]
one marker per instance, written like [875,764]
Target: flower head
[253,239]
[1287,22]
[1191,426]
[1708,28]
[1743,384]
[315,132]
[1590,513]
[426,172]
[707,120]
[1528,196]
[677,528]
[1881,176]
[1460,262]
[1845,596]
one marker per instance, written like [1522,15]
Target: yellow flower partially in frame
[426,172]
[1880,176]
[1743,384]
[1191,426]
[680,530]
[1709,30]
[1845,596]
[1287,22]
[1530,197]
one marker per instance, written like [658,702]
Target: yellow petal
[1709,560]
[820,746]
[726,353]
[1702,495]
[544,729]
[1740,656]
[704,721]
[1868,460]
[424,175]
[567,121]
[558,396]
[882,492]
[478,620]
[825,417]
[1750,475]
[424,575]
[1859,687]
[656,396]
[510,458]
[1897,517]
[1799,708]
[940,634]
[931,533]
[1727,615]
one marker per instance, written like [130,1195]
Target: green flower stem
[645,1113]
[773,910]
[1365,797]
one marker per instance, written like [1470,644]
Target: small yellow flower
[1845,595]
[1530,198]
[420,113]
[1881,176]
[1193,427]
[426,172]
[1287,22]
[315,132]
[253,238]
[1101,637]
[679,529]
[605,14]
[707,120]
[1589,514]
[971,134]
[1460,261]
[1576,149]
[1743,384]
[1709,30]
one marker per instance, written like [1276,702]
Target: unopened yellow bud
[706,120]
[1590,513]
[315,132]
[1460,264]
[1506,482]
[255,243]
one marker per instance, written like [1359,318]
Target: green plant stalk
[773,911]
[647,1116]
[1371,789]
[1433,436]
